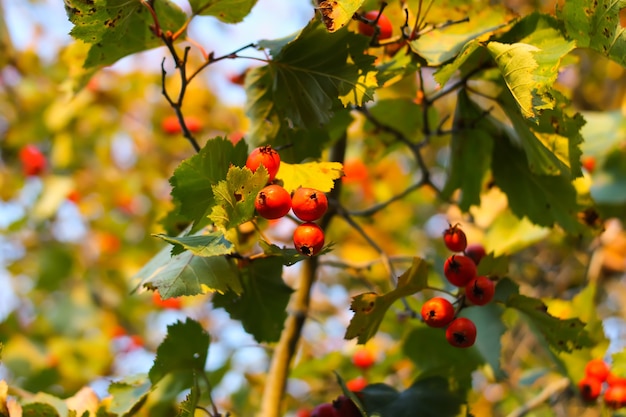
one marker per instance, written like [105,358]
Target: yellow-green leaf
[337,13]
[318,175]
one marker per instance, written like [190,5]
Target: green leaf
[427,397]
[194,178]
[117,28]
[561,335]
[618,366]
[544,200]
[318,175]
[289,256]
[300,87]
[187,274]
[188,407]
[262,305]
[184,349]
[235,196]
[337,13]
[440,46]
[228,11]
[438,358]
[603,131]
[210,244]
[609,184]
[39,410]
[129,394]
[493,266]
[472,56]
[488,321]
[596,24]
[470,152]
[530,65]
[370,308]
[403,114]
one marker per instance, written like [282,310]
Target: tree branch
[550,390]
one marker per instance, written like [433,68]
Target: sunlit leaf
[301,85]
[439,46]
[188,407]
[194,178]
[116,28]
[472,56]
[596,24]
[188,274]
[318,175]
[229,11]
[129,394]
[184,349]
[261,306]
[336,13]
[210,244]
[370,308]
[235,196]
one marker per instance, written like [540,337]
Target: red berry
[194,124]
[303,412]
[363,358]
[475,252]
[615,396]
[386,28]
[589,163]
[324,410]
[461,332]
[598,369]
[309,204]
[267,157]
[173,303]
[357,384]
[273,202]
[589,388]
[480,290]
[613,380]
[455,239]
[345,407]
[459,270]
[308,239]
[33,160]
[171,126]
[437,312]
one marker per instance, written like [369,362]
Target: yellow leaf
[318,175]
[336,13]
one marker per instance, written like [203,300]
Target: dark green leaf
[194,178]
[474,55]
[229,11]
[39,410]
[289,256]
[262,306]
[210,244]
[490,329]
[493,266]
[470,152]
[187,274]
[545,200]
[117,28]
[235,196]
[303,83]
[129,394]
[184,349]
[370,308]
[596,24]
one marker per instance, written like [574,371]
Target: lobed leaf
[129,394]
[210,244]
[318,175]
[117,28]
[262,304]
[370,308]
[184,349]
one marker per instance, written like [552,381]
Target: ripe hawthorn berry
[345,407]
[267,157]
[459,270]
[33,160]
[386,28]
[461,332]
[324,410]
[356,384]
[598,369]
[589,388]
[613,380]
[475,252]
[308,239]
[309,204]
[363,358]
[171,126]
[455,238]
[615,397]
[480,290]
[273,202]
[173,303]
[437,312]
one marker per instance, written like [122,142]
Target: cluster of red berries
[274,202]
[597,373]
[460,270]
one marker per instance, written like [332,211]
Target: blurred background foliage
[73,236]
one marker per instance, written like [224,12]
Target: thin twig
[550,390]
[377,207]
